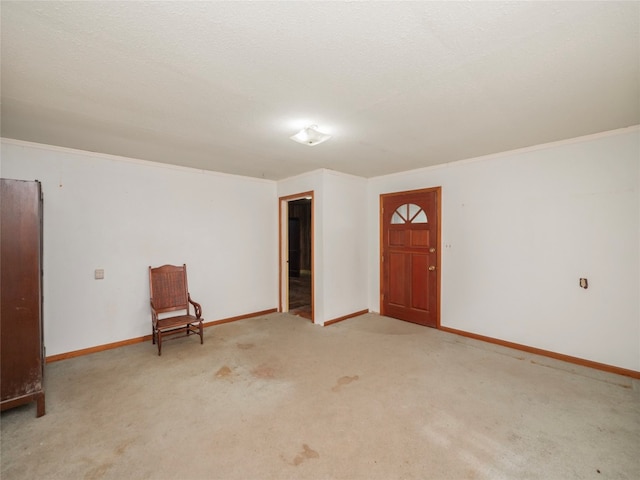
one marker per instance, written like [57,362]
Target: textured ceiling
[222,85]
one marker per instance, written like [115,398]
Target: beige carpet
[276,397]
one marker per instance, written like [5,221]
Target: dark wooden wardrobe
[21,333]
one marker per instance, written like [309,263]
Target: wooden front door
[410,256]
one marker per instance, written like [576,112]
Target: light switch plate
[99,274]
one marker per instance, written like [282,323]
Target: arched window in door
[409,213]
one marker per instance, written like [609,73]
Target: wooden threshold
[546,353]
[146,338]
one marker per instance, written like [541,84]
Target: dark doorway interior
[300,257]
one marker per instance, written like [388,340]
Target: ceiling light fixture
[310,136]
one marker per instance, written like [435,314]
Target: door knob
[432,268]
[432,249]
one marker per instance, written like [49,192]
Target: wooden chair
[169,293]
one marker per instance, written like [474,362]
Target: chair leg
[201,333]
[159,343]
[153,335]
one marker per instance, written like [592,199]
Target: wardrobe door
[21,336]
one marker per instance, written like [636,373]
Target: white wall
[345,244]
[520,228]
[123,215]
[340,242]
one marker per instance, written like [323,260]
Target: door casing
[283,219]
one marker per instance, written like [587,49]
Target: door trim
[283,249]
[383,196]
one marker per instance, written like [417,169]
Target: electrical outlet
[584,283]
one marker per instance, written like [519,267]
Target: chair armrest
[196,306]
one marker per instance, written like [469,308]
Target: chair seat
[176,322]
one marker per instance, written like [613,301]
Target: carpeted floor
[277,397]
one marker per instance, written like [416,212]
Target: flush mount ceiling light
[310,136]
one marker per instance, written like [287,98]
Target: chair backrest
[168,288]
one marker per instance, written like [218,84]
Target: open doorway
[296,254]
